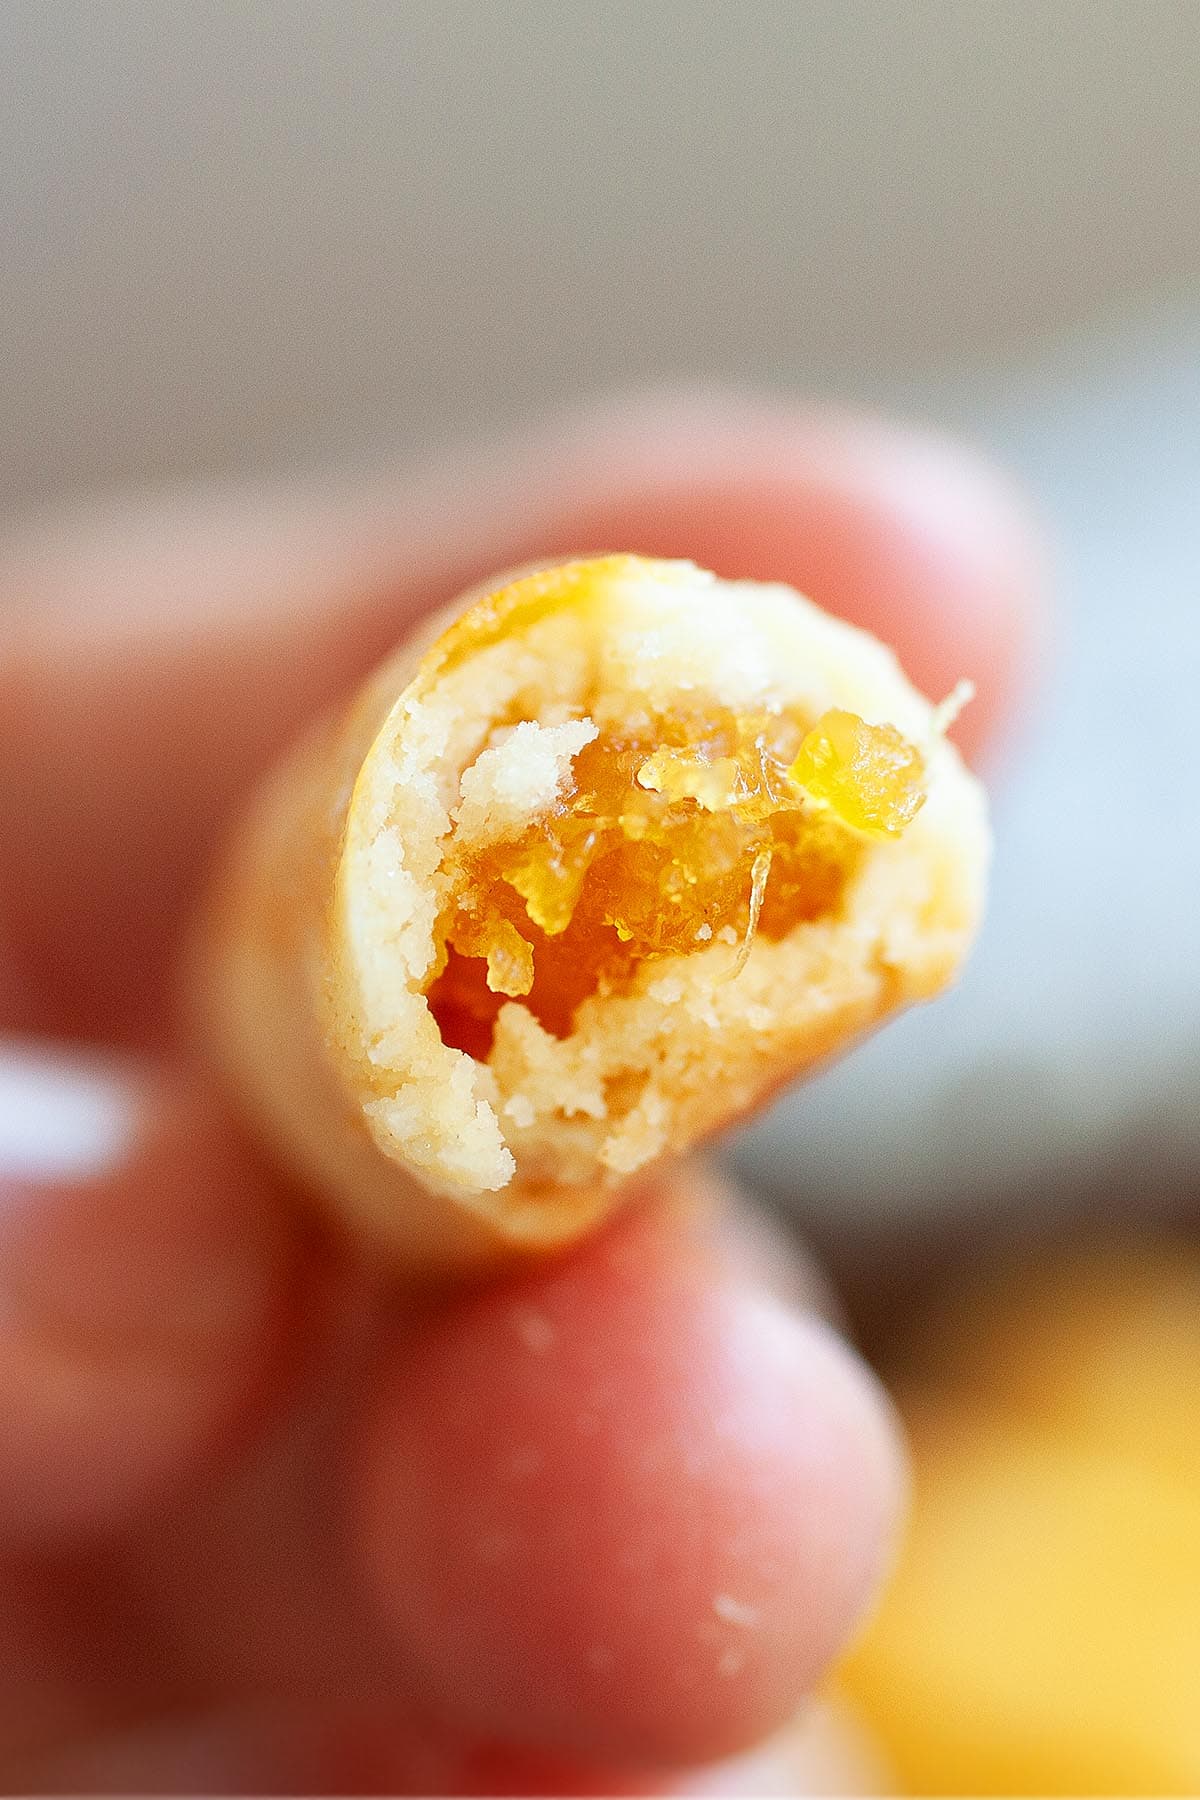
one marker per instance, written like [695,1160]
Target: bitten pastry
[574,884]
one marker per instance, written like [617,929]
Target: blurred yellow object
[1042,1631]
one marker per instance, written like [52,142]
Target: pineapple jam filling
[699,828]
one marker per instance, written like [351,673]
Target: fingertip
[626,1507]
[144,1277]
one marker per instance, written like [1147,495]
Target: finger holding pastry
[612,1512]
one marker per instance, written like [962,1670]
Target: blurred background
[235,234]
[237,238]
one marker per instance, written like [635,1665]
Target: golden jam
[709,828]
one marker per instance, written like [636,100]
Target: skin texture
[265,1523]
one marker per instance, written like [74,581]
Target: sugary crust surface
[324,930]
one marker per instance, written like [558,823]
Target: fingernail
[65,1116]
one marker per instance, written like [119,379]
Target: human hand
[265,1523]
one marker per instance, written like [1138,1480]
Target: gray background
[239,237]
[246,232]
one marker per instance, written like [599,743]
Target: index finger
[157,655]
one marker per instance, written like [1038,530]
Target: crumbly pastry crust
[323,931]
